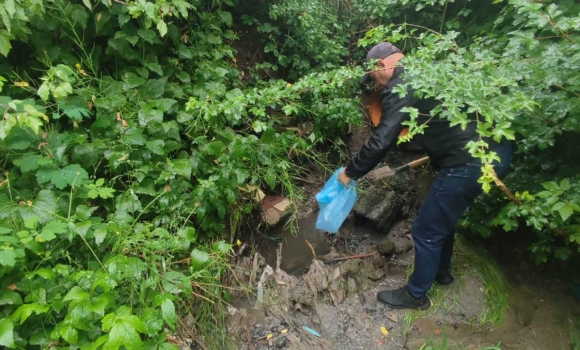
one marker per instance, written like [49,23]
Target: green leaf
[7,257]
[76,293]
[74,175]
[156,146]
[162,28]
[565,185]
[79,15]
[182,167]
[69,334]
[50,230]
[100,233]
[148,35]
[125,329]
[271,177]
[7,333]
[24,311]
[132,80]
[168,312]
[565,212]
[87,3]
[221,247]
[551,185]
[45,205]
[133,136]
[9,297]
[5,45]
[189,233]
[199,258]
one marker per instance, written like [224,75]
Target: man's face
[384,69]
[380,76]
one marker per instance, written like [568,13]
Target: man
[453,190]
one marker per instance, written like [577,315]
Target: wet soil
[338,300]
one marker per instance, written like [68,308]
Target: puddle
[296,253]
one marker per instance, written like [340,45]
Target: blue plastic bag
[335,202]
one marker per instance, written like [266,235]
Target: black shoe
[402,299]
[444,278]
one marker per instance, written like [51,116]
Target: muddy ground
[338,300]
[310,279]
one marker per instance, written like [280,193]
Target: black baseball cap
[378,52]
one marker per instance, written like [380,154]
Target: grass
[469,259]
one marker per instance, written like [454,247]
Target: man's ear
[382,64]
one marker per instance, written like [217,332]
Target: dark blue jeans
[453,190]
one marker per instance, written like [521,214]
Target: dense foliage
[131,130]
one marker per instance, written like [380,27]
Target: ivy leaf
[156,146]
[7,257]
[7,333]
[133,136]
[69,334]
[24,311]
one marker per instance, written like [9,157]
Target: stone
[379,207]
[315,320]
[280,342]
[386,247]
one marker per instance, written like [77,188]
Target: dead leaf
[384,330]
[392,316]
[438,331]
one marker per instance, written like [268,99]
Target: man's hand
[343,178]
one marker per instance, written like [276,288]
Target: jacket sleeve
[382,137]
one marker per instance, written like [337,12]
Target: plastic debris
[335,202]
[269,336]
[384,330]
[312,331]
[284,331]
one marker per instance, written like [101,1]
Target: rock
[315,320]
[379,207]
[258,325]
[386,247]
[276,329]
[280,342]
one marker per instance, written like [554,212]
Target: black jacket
[444,144]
